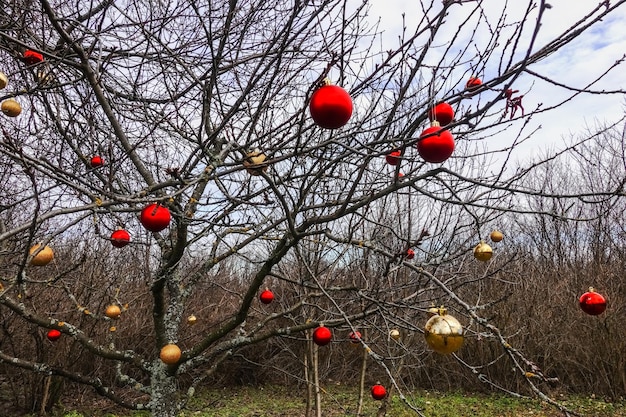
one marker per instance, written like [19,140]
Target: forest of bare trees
[172,160]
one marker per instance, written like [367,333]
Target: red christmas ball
[393,157]
[330,107]
[443,113]
[435,144]
[53,335]
[96,161]
[592,303]
[32,57]
[410,253]
[355,337]
[379,392]
[322,336]
[120,238]
[473,83]
[155,217]
[266,297]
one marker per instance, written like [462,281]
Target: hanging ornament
[96,161]
[53,335]
[11,107]
[378,392]
[410,254]
[496,236]
[473,83]
[592,303]
[32,57]
[113,311]
[443,333]
[436,144]
[442,112]
[3,80]
[330,106]
[170,354]
[322,336]
[483,252]
[155,217]
[394,334]
[266,296]
[393,157]
[120,238]
[253,162]
[355,337]
[43,257]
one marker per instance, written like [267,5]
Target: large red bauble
[32,57]
[331,106]
[443,113]
[120,238]
[592,303]
[266,297]
[322,336]
[355,337]
[155,217]
[393,157]
[435,144]
[53,335]
[96,161]
[379,392]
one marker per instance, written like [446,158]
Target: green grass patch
[279,401]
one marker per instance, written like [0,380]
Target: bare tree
[175,96]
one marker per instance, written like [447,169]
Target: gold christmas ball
[192,319]
[496,236]
[11,108]
[483,252]
[394,334]
[443,333]
[43,257]
[170,354]
[252,161]
[113,311]
[3,80]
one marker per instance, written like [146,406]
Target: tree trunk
[164,400]
[359,409]
[316,380]
[308,359]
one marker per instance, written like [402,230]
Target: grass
[276,401]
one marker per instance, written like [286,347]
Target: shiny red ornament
[96,161]
[53,335]
[592,303]
[379,392]
[155,217]
[266,297]
[393,157]
[330,107]
[32,57]
[473,83]
[410,253]
[355,337]
[436,144]
[442,112]
[322,336]
[120,238]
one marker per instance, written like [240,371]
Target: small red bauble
[266,297]
[410,253]
[32,57]
[322,336]
[393,157]
[120,238]
[96,161]
[330,106]
[355,337]
[155,217]
[443,113]
[53,335]
[435,144]
[592,303]
[473,83]
[379,392]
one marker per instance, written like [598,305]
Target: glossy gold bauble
[496,236]
[483,252]
[394,334]
[43,257]
[113,311]
[3,80]
[11,107]
[252,162]
[443,333]
[170,354]
[192,319]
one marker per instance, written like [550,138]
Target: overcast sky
[576,65]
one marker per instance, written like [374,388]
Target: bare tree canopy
[177,159]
